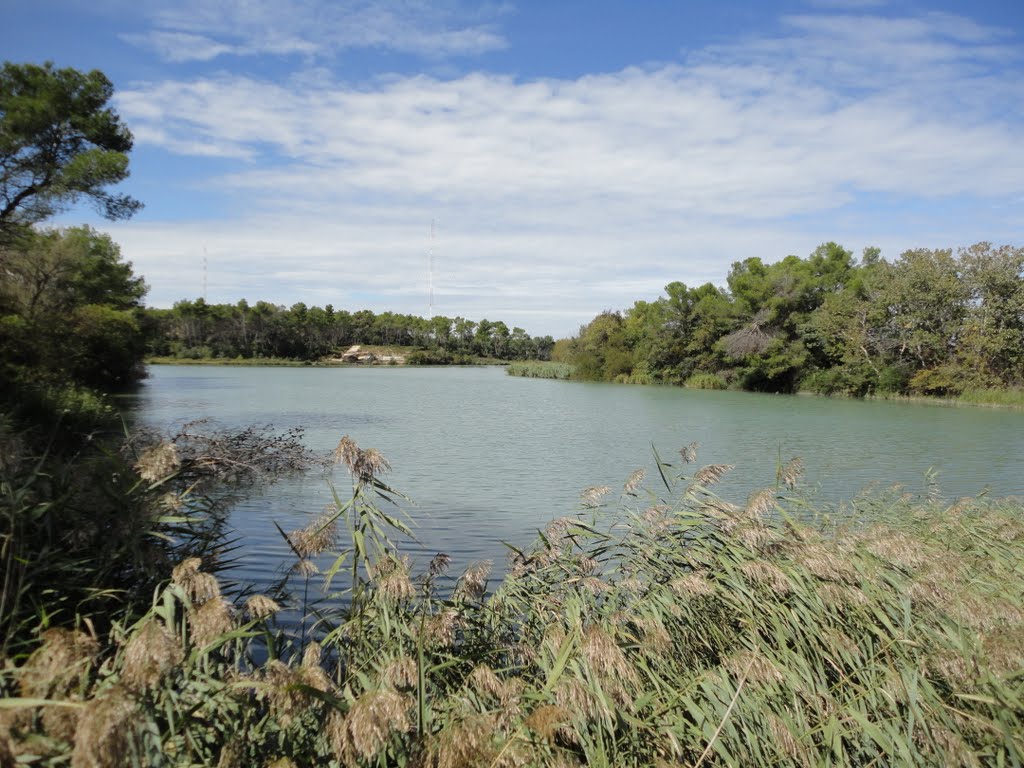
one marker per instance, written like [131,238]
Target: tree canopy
[60,143]
[930,322]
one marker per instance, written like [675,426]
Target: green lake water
[487,458]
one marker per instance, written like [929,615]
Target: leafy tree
[70,310]
[60,142]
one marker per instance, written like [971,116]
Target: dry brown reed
[105,736]
[210,621]
[591,497]
[149,655]
[260,607]
[58,665]
[473,584]
[370,722]
[391,577]
[688,453]
[692,585]
[158,462]
[768,574]
[791,473]
[634,481]
[760,504]
[711,474]
[401,674]
[197,585]
[316,538]
[364,464]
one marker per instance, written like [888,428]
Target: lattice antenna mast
[430,274]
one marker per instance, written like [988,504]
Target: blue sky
[574,156]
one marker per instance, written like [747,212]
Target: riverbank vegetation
[663,627]
[929,323]
[541,370]
[197,330]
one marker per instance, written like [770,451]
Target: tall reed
[675,628]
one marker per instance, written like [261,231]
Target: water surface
[487,458]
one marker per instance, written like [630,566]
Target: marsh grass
[541,370]
[674,629]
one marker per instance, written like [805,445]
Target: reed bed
[650,627]
[541,370]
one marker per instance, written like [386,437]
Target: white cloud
[559,198]
[200,30]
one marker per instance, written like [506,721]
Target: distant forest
[929,323]
[195,329]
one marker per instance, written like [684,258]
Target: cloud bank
[557,198]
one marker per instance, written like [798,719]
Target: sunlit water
[487,458]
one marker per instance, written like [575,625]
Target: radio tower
[430,274]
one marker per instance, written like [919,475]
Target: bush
[705,381]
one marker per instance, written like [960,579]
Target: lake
[486,457]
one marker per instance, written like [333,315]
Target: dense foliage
[59,142]
[931,322]
[195,329]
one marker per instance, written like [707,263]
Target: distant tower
[430,274]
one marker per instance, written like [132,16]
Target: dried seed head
[604,655]
[594,585]
[784,739]
[158,462]
[373,718]
[347,452]
[55,667]
[311,672]
[760,503]
[261,607]
[317,537]
[634,480]
[199,586]
[899,549]
[573,696]
[440,628]
[473,583]
[439,564]
[486,683]
[286,699]
[591,497]
[467,741]
[688,453]
[769,574]
[691,585]
[172,502]
[105,730]
[392,579]
[305,568]
[755,666]
[210,621]
[401,674]
[150,654]
[824,562]
[372,463]
[711,474]
[546,719]
[792,472]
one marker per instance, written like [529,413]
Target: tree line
[931,322]
[196,329]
